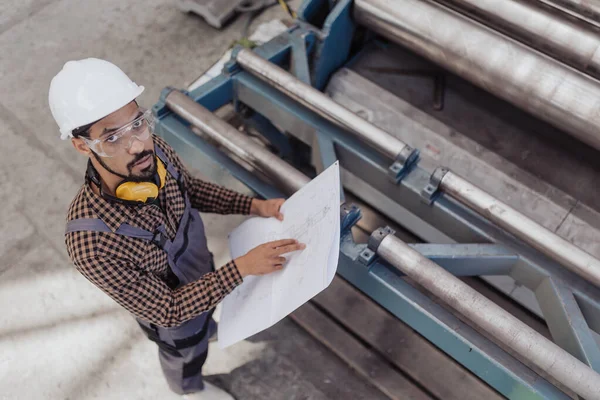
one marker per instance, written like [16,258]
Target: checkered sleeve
[149,298]
[205,196]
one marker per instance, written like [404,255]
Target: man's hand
[267,257]
[267,208]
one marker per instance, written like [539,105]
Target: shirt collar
[111,213]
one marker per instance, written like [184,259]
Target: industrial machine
[472,125]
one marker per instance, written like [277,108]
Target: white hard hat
[88,90]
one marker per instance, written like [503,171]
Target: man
[134,229]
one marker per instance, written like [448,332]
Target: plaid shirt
[132,271]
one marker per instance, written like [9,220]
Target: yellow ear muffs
[143,191]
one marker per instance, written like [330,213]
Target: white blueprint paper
[312,216]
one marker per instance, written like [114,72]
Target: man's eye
[138,124]
[112,139]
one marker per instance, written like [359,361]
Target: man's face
[137,163]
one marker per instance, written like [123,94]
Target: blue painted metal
[334,48]
[269,131]
[325,150]
[310,11]
[215,93]
[384,285]
[350,215]
[399,170]
[299,65]
[470,259]
[567,323]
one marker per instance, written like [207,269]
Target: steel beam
[566,322]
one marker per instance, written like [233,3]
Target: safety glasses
[118,142]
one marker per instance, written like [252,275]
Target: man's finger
[280,216]
[280,260]
[289,248]
[282,242]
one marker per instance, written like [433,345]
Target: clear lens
[119,141]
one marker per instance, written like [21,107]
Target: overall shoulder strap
[159,237]
[86,224]
[170,168]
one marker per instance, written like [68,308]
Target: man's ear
[81,146]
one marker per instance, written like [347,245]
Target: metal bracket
[403,163]
[367,257]
[377,237]
[431,191]
[160,109]
[232,67]
[349,216]
[369,254]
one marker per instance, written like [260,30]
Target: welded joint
[432,190]
[405,160]
[349,216]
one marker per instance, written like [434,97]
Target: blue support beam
[333,50]
[470,259]
[566,322]
[299,65]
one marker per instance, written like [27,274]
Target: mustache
[138,158]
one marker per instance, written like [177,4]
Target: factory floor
[61,337]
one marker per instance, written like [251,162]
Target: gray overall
[182,349]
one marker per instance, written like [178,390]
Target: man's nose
[137,146]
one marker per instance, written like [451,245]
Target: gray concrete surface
[60,337]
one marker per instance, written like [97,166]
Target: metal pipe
[284,175]
[566,253]
[491,318]
[586,10]
[320,104]
[563,39]
[540,85]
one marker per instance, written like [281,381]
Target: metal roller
[485,314]
[286,177]
[323,105]
[549,243]
[548,32]
[588,10]
[536,83]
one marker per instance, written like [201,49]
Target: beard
[145,175]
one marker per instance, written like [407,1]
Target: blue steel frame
[313,54]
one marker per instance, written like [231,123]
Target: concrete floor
[60,337]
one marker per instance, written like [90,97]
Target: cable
[287,8]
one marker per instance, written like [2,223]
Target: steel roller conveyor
[483,313]
[467,231]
